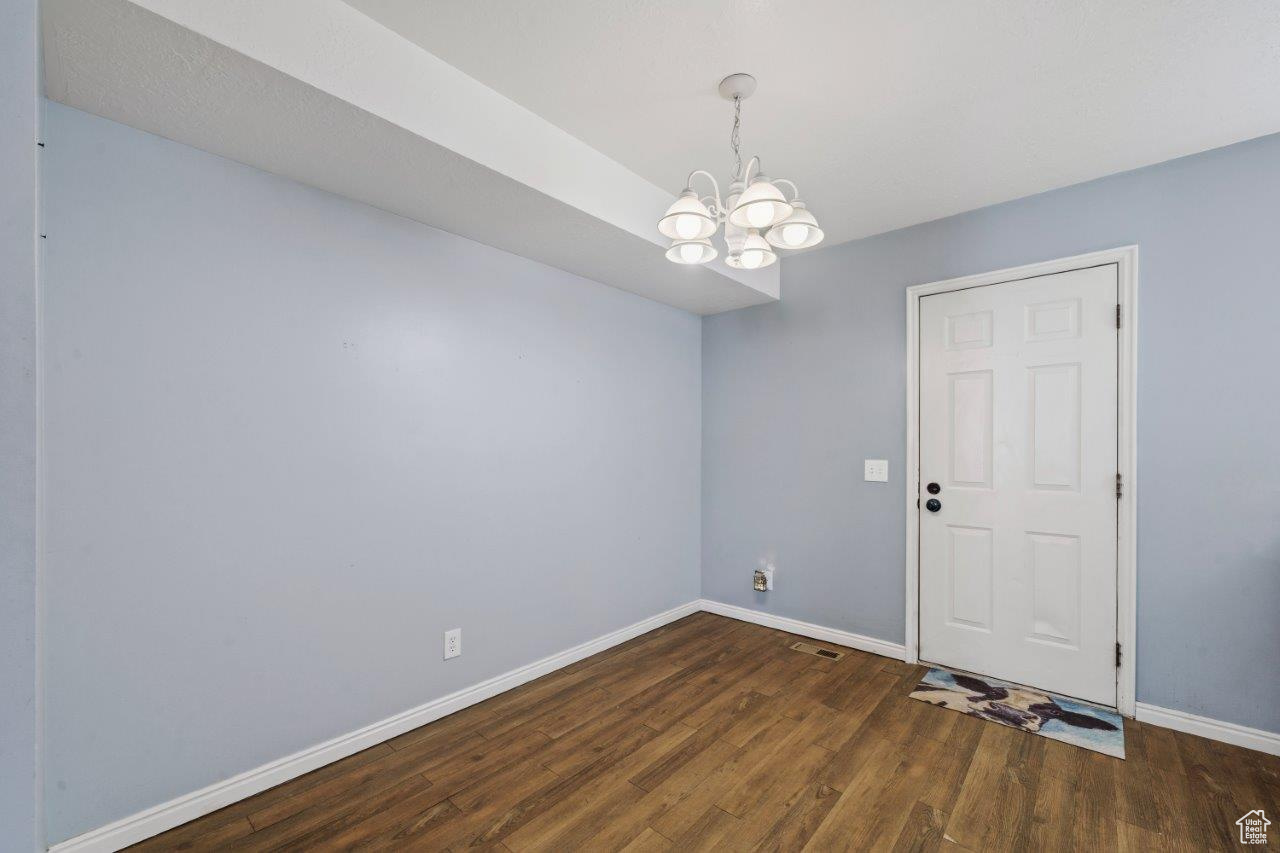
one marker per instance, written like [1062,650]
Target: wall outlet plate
[875,470]
[764,573]
[452,643]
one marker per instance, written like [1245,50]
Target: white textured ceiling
[886,113]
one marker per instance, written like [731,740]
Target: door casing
[1126,259]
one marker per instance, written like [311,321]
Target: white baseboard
[1268,742]
[157,819]
[897,651]
[153,821]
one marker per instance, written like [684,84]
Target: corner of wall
[21,822]
[41,106]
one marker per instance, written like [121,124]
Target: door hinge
[1117,655]
[1119,485]
[1117,315]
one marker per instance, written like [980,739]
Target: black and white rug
[1047,714]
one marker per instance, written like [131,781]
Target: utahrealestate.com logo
[1253,827]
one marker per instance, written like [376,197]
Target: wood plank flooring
[710,733]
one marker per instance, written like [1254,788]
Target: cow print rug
[1047,714]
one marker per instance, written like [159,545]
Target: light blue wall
[270,411]
[797,394]
[19,605]
[291,439]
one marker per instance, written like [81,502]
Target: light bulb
[687,226]
[690,253]
[751,260]
[760,214]
[794,235]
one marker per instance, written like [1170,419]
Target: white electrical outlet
[452,643]
[875,470]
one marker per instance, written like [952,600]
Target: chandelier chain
[735,137]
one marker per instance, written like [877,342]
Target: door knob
[933,488]
[933,504]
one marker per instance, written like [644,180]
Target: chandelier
[757,217]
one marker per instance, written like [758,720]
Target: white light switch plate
[875,470]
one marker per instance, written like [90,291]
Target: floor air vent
[810,649]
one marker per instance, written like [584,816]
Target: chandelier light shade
[761,206]
[798,231]
[755,254]
[687,219]
[757,216]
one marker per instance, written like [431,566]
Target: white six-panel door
[1018,415]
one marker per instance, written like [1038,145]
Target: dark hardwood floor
[712,733]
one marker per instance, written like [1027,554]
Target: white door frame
[1126,259]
